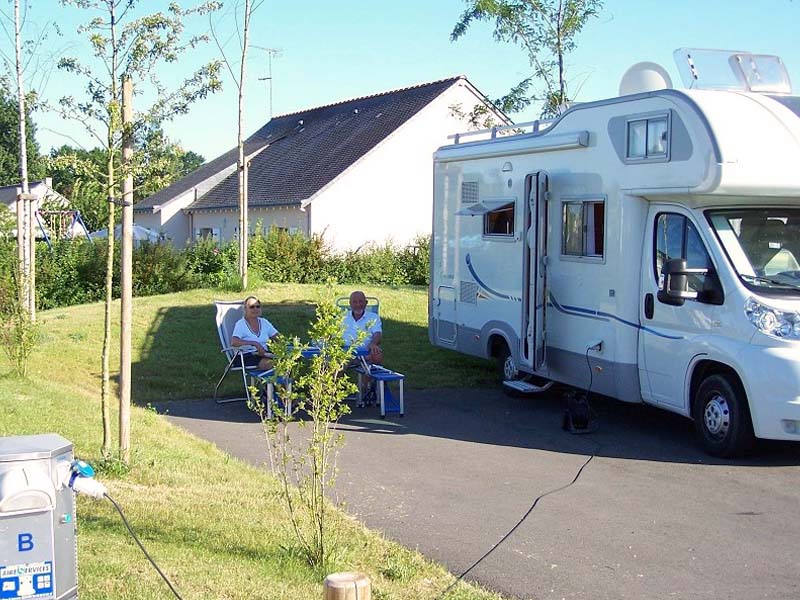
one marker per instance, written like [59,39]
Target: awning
[485,206]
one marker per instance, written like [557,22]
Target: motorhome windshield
[763,245]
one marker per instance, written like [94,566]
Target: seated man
[358,320]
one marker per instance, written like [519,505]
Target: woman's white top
[265,331]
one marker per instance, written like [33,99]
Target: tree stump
[347,586]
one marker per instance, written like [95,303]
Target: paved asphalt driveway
[650,516]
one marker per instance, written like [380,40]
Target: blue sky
[331,51]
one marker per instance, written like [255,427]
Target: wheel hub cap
[509,369]
[717,416]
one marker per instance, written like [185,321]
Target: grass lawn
[215,525]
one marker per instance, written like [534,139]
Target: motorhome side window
[583,228]
[500,221]
[677,237]
[648,138]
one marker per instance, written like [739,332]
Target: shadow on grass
[181,356]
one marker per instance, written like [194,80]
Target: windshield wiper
[768,281]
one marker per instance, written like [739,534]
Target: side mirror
[675,289]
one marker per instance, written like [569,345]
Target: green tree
[78,174]
[303,456]
[162,162]
[9,141]
[547,31]
[248,9]
[126,45]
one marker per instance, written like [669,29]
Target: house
[356,171]
[46,196]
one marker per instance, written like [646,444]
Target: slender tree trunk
[106,377]
[25,207]
[562,84]
[21,279]
[126,277]
[244,226]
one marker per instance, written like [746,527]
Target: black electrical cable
[535,502]
[130,529]
[591,413]
[514,528]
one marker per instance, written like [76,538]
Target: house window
[207,233]
[499,221]
[648,138]
[583,228]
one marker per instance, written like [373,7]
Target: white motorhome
[647,245]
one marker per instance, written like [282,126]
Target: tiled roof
[308,149]
[42,188]
[196,177]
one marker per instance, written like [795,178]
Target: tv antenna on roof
[270,53]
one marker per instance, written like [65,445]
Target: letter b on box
[25,542]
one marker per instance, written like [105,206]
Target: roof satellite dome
[644,77]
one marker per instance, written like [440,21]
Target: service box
[38,553]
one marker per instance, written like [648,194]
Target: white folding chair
[228,313]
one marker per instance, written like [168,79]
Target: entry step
[526,387]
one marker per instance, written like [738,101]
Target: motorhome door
[670,332]
[534,272]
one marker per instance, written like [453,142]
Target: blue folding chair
[382,375]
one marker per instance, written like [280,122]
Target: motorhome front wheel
[507,366]
[722,417]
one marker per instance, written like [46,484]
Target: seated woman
[254,330]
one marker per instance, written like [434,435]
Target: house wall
[171,220]
[227,221]
[388,194]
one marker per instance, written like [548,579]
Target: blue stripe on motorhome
[480,282]
[589,313]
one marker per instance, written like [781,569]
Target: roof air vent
[355,111]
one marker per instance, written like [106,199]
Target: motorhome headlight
[772,321]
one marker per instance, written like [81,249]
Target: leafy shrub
[285,257]
[160,269]
[383,264]
[213,263]
[415,260]
[18,334]
[8,264]
[72,272]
